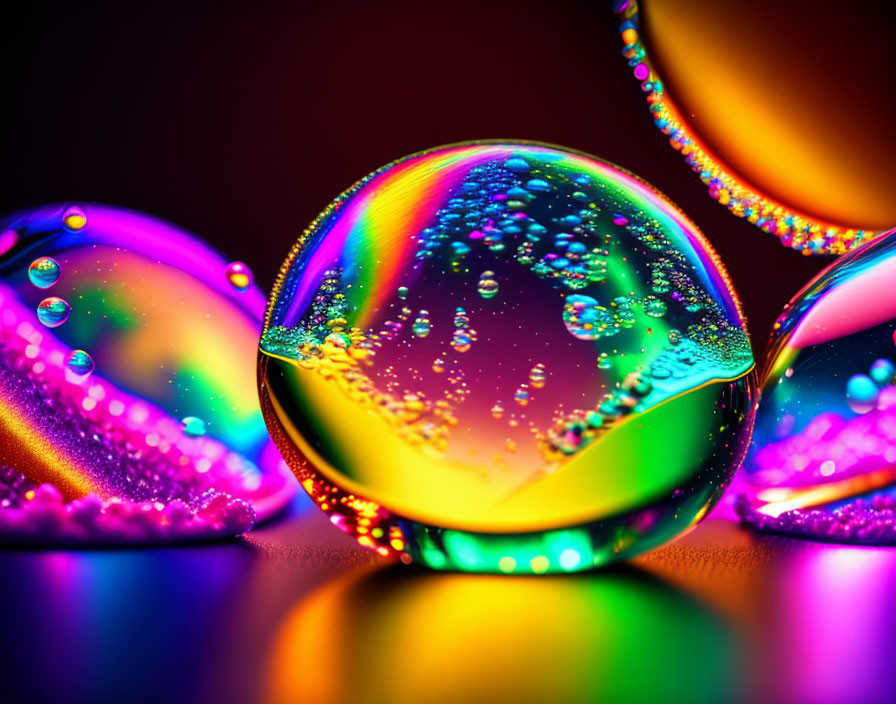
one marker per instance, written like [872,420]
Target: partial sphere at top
[468,360]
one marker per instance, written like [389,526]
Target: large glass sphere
[506,357]
[798,143]
[823,459]
[128,407]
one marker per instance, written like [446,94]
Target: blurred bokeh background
[241,121]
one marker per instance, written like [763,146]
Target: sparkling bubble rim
[795,229]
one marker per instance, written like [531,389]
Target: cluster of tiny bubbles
[862,390]
[422,324]
[193,426]
[239,275]
[44,272]
[79,363]
[53,311]
[488,286]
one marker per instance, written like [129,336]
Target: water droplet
[488,287]
[79,363]
[44,272]
[239,275]
[193,426]
[74,219]
[438,366]
[402,292]
[522,395]
[53,311]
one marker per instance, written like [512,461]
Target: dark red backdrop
[241,121]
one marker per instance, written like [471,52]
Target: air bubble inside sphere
[823,459]
[514,451]
[143,330]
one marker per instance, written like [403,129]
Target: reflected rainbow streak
[407,195]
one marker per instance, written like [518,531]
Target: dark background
[241,121]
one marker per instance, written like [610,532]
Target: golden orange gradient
[794,98]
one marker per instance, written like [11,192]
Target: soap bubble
[490,460]
[824,447]
[95,392]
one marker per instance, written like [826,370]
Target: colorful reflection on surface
[112,625]
[390,635]
[823,458]
[507,357]
[298,615]
[798,143]
[93,402]
[830,631]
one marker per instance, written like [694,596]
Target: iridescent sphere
[480,432]
[823,459]
[144,329]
